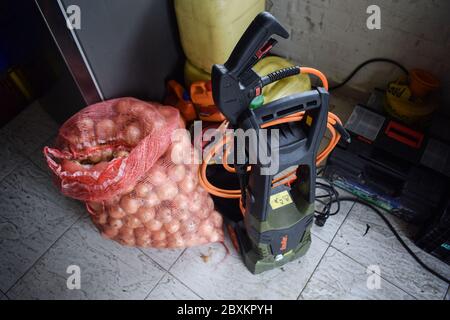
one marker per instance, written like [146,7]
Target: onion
[107,154]
[86,131]
[153,225]
[190,226]
[105,130]
[181,201]
[190,240]
[133,134]
[195,202]
[168,191]
[216,219]
[143,243]
[214,237]
[177,154]
[157,177]
[126,232]
[206,228]
[142,190]
[159,235]
[85,125]
[133,222]
[116,212]
[123,106]
[129,204]
[177,173]
[109,232]
[209,203]
[203,213]
[115,223]
[172,226]
[121,154]
[138,108]
[187,185]
[158,124]
[142,233]
[128,241]
[152,199]
[159,244]
[100,219]
[95,206]
[96,157]
[175,241]
[164,215]
[145,214]
[183,215]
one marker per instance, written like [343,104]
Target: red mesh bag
[125,159]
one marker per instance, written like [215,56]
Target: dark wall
[131,46]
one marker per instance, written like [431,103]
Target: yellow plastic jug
[210,29]
[275,91]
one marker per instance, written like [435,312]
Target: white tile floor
[42,233]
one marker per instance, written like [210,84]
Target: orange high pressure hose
[287,178]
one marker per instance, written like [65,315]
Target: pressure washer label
[280,200]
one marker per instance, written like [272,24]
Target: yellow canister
[210,29]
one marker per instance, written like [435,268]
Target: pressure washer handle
[255,43]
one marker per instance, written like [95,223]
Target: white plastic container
[209,29]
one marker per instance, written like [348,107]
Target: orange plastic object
[422,83]
[177,97]
[201,95]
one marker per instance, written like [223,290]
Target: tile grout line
[364,266]
[184,284]
[328,247]
[25,157]
[389,281]
[42,255]
[166,270]
[361,264]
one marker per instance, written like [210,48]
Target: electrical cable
[333,197]
[365,63]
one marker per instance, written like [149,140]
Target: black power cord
[333,197]
[365,63]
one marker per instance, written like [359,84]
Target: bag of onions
[119,156]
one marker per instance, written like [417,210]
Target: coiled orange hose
[236,194]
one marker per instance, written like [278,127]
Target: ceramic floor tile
[328,231]
[11,158]
[31,128]
[108,270]
[37,157]
[447,296]
[2,296]
[340,278]
[33,215]
[210,273]
[169,288]
[380,247]
[164,257]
